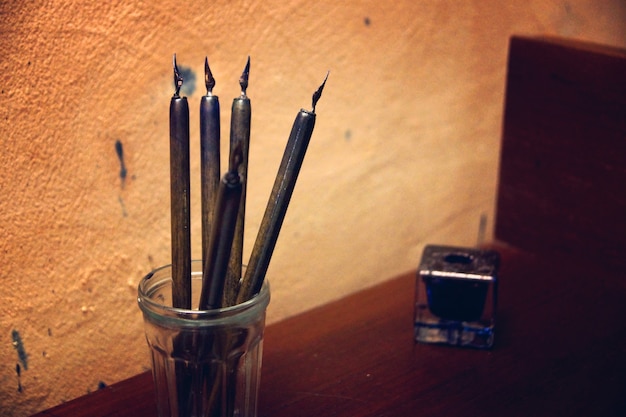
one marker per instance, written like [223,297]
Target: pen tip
[209,81]
[243,81]
[318,94]
[178,79]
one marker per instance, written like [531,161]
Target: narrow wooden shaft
[277,205]
[179,200]
[239,138]
[209,164]
[214,273]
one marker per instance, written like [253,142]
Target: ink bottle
[456,296]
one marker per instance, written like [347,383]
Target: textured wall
[405,152]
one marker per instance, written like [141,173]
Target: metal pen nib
[243,81]
[178,79]
[318,94]
[209,81]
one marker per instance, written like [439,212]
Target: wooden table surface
[560,351]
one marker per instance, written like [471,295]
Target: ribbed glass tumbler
[204,362]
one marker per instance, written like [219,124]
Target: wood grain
[559,351]
[563,157]
[180,202]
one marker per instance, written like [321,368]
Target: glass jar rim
[148,287]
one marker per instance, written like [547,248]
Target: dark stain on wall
[189,80]
[124,212]
[119,149]
[18,371]
[19,347]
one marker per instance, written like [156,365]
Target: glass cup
[204,362]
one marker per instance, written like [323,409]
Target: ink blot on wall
[189,77]
[19,347]
[119,149]
[18,371]
[21,356]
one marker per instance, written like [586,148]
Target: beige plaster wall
[405,153]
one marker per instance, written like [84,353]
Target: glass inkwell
[455,299]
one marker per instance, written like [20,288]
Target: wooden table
[560,351]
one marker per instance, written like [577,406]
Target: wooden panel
[559,351]
[563,161]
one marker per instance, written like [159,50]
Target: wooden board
[559,351]
[562,182]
